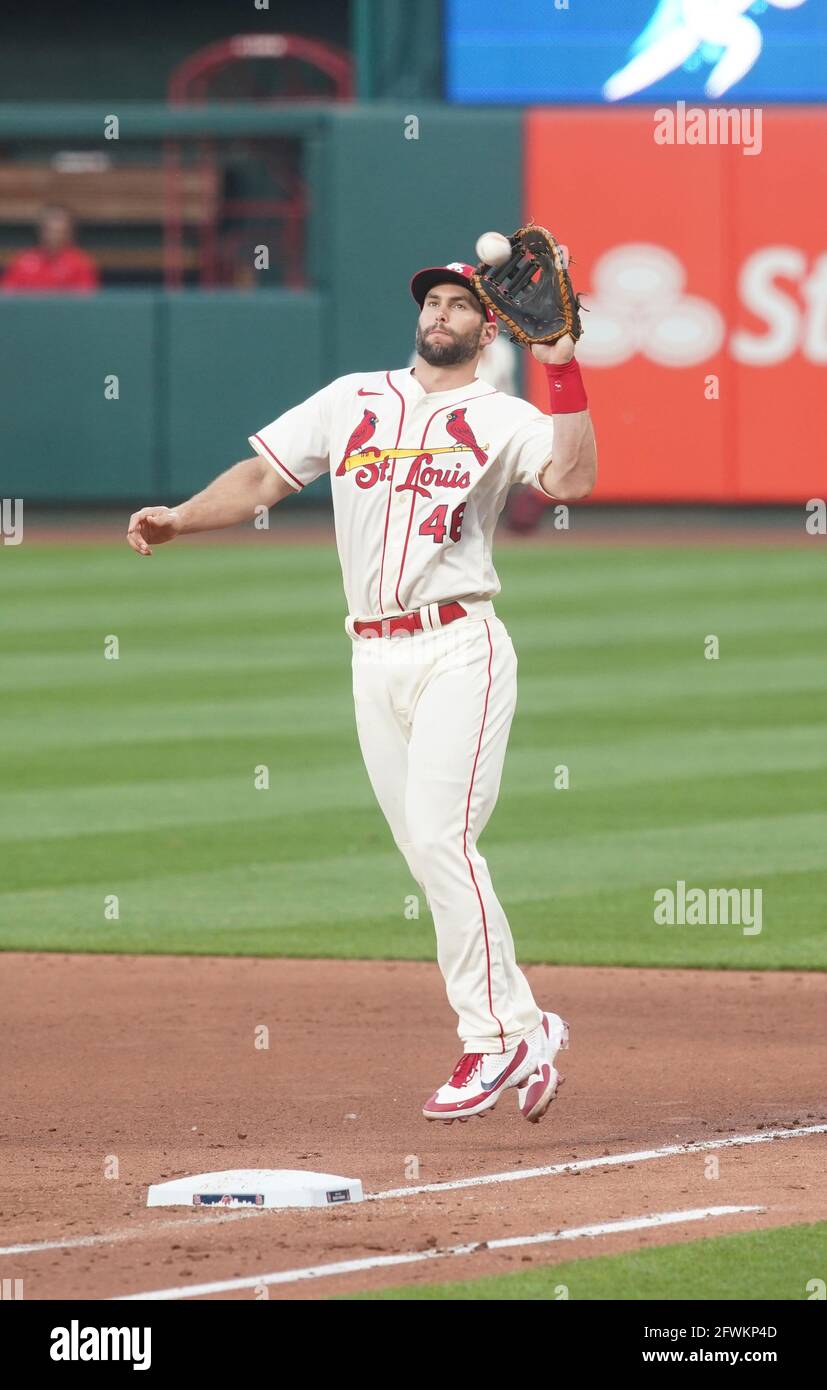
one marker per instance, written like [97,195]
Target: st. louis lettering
[421,476]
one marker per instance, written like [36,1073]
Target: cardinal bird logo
[460,430]
[359,438]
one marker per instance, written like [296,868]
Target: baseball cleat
[477,1082]
[534,1095]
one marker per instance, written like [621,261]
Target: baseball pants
[433,714]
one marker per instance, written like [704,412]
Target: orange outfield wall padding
[704,268]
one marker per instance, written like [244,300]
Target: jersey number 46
[436,524]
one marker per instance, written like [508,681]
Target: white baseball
[493,248]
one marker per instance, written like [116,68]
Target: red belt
[408,622]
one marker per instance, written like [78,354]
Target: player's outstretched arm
[233,497]
[572,471]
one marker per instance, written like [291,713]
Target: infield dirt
[152,1061]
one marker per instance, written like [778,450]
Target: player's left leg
[460,721]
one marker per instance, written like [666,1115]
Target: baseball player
[421,460]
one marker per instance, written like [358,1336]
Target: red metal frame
[188,82]
[189,85]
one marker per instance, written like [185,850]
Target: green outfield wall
[140,394]
[391,190]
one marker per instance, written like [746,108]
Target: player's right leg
[383,738]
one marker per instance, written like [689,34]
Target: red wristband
[565,387]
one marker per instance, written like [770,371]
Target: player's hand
[558,353]
[153,526]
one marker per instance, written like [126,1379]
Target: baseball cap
[455,272]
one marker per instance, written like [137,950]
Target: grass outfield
[776,1265]
[135,777]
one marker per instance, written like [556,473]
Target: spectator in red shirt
[57,266]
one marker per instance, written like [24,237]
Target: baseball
[493,248]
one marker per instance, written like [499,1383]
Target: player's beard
[449,352]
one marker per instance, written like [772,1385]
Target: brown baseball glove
[531,292]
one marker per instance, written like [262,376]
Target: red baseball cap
[456,273]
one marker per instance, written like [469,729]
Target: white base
[256,1187]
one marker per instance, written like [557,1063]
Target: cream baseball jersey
[418,481]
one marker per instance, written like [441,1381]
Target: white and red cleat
[479,1078]
[478,1081]
[534,1096]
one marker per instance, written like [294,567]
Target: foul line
[291,1276]
[515,1175]
[607,1161]
[129,1233]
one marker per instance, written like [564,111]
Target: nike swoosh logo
[518,1057]
[360,392]
[489,1085]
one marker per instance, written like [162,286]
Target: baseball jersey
[418,481]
